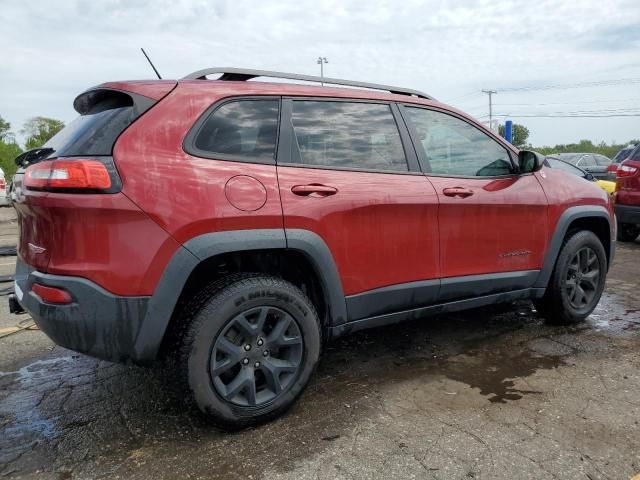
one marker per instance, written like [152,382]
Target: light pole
[321,61]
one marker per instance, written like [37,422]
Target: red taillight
[77,174]
[52,294]
[3,183]
[613,167]
[626,171]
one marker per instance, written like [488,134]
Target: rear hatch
[88,141]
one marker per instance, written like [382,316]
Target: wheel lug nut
[257,364]
[247,347]
[245,361]
[265,353]
[260,342]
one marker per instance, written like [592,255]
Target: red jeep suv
[236,225]
[627,197]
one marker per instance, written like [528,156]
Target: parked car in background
[627,197]
[311,212]
[606,185]
[620,157]
[593,163]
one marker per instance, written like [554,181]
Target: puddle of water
[27,388]
[612,316]
[493,369]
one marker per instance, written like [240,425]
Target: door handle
[313,190]
[458,192]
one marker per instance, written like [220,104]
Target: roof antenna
[150,62]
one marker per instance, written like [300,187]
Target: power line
[565,103]
[565,115]
[601,83]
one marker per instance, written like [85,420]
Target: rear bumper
[628,213]
[97,323]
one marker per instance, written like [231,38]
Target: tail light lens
[613,167]
[3,184]
[626,171]
[77,175]
[52,294]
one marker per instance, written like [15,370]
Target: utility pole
[321,61]
[490,93]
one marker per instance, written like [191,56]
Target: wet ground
[491,393]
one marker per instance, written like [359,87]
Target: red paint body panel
[155,89]
[382,229]
[102,237]
[501,227]
[564,190]
[184,194]
[628,187]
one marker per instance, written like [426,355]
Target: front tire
[577,281]
[249,350]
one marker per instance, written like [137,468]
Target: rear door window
[245,130]
[349,135]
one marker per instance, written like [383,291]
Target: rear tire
[249,349]
[628,232]
[577,281]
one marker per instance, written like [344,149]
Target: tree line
[36,131]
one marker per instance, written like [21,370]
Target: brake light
[52,294]
[613,167]
[76,174]
[626,171]
[3,184]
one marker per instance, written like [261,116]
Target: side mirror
[529,162]
[590,177]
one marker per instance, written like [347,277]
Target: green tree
[520,134]
[9,149]
[5,130]
[38,130]
[8,152]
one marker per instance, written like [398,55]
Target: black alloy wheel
[257,356]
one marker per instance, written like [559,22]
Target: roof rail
[243,74]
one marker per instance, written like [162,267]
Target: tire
[562,304]
[248,349]
[628,232]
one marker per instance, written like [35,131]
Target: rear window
[105,114]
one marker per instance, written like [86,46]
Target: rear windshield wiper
[32,156]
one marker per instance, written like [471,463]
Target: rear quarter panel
[182,193]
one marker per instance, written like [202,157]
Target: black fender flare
[183,262]
[560,231]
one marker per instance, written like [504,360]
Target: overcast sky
[51,51]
